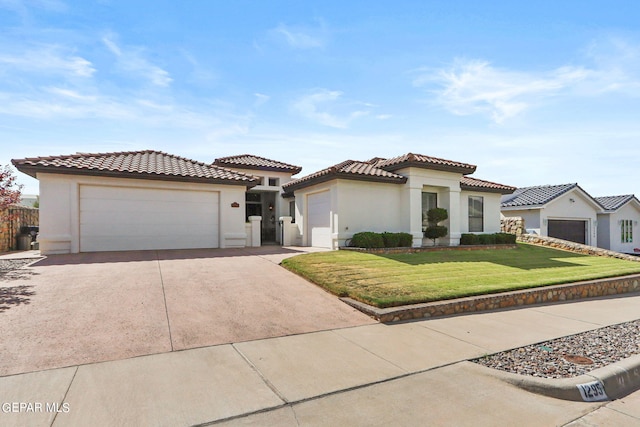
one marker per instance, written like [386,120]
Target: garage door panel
[571,230]
[319,219]
[121,218]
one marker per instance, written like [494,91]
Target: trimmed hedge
[488,239]
[369,239]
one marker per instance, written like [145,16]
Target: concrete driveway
[75,309]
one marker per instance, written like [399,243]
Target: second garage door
[121,218]
[574,231]
[319,219]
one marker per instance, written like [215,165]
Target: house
[137,200]
[392,195]
[563,211]
[618,223]
[148,199]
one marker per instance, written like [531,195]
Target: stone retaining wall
[573,247]
[512,225]
[571,291]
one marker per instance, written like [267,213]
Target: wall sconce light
[270,206]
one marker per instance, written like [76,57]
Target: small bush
[405,240]
[367,239]
[468,239]
[507,238]
[487,239]
[391,240]
[434,232]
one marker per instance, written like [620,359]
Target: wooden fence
[20,216]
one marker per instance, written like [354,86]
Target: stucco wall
[60,207]
[363,206]
[301,209]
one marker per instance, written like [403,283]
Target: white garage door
[120,218]
[319,219]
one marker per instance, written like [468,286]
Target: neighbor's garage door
[319,219]
[120,218]
[574,231]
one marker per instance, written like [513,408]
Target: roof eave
[293,171]
[502,191]
[341,175]
[432,166]
[34,170]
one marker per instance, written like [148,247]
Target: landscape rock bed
[603,346]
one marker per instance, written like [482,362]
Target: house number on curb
[592,392]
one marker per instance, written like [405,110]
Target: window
[626,231]
[274,182]
[292,211]
[429,201]
[476,213]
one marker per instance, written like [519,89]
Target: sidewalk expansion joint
[264,379]
[53,421]
[164,297]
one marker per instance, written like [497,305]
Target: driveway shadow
[162,255]
[14,295]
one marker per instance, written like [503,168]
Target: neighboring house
[392,195]
[144,200]
[563,211]
[618,224]
[28,200]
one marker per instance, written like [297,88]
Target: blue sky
[544,92]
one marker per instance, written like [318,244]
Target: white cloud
[261,98]
[320,106]
[131,61]
[301,38]
[476,87]
[48,60]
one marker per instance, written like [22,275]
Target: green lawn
[398,279]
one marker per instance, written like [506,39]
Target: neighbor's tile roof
[470,183]
[349,169]
[613,203]
[249,161]
[535,196]
[148,164]
[422,161]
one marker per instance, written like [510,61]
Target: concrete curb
[618,380]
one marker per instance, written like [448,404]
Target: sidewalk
[402,374]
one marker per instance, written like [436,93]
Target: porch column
[454,217]
[287,234]
[255,230]
[415,215]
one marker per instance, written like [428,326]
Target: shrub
[367,239]
[405,240]
[435,231]
[391,240]
[507,238]
[468,239]
[487,239]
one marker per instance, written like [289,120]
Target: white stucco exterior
[610,228]
[60,212]
[358,205]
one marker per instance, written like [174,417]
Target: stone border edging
[553,293]
[619,379]
[579,248]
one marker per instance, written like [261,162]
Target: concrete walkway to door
[69,310]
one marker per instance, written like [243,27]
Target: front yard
[386,280]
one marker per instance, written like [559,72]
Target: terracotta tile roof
[148,164]
[613,203]
[349,169]
[422,161]
[249,161]
[470,183]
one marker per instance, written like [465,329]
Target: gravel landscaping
[570,356]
